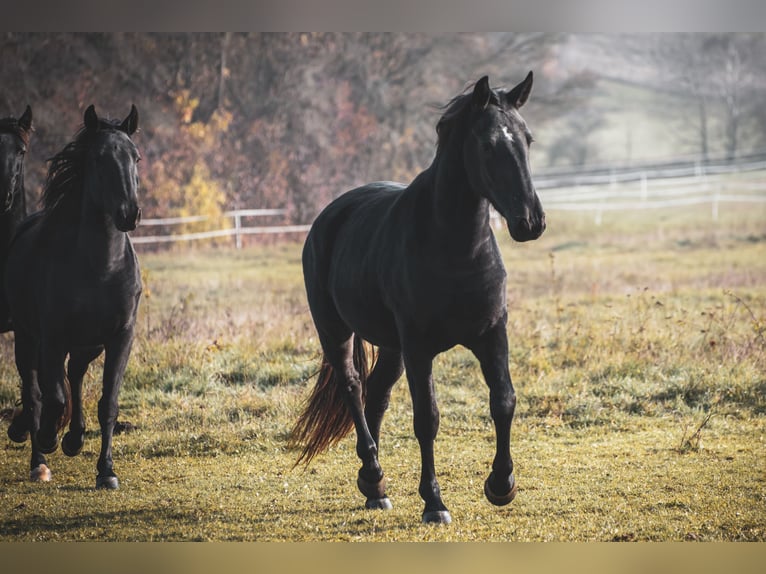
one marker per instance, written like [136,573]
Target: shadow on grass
[61,525]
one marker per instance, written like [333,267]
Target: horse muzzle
[128,219]
[527,228]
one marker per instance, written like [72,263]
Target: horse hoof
[437,517]
[372,490]
[500,500]
[40,473]
[17,433]
[378,503]
[107,482]
[72,443]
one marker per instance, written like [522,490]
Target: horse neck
[460,217]
[98,239]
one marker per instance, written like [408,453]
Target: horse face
[112,171]
[12,150]
[496,153]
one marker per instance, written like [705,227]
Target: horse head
[496,157]
[14,137]
[111,168]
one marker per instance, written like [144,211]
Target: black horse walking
[73,285]
[415,271]
[14,139]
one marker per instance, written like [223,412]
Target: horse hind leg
[348,360]
[55,400]
[336,406]
[388,368]
[79,360]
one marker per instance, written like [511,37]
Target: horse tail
[326,419]
[66,415]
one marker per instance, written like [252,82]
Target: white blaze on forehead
[507,134]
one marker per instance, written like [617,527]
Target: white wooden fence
[598,193]
[646,193]
[237,231]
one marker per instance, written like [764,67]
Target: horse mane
[12,126]
[67,167]
[454,110]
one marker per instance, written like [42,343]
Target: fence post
[237,227]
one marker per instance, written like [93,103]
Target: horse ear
[25,121]
[130,124]
[481,93]
[91,119]
[518,95]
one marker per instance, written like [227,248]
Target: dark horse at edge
[415,271]
[14,140]
[73,285]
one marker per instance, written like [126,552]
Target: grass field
[638,352]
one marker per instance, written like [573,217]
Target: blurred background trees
[289,120]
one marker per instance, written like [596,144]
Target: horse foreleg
[26,364]
[115,362]
[426,423]
[25,350]
[492,352]
[79,360]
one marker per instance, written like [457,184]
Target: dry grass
[638,354]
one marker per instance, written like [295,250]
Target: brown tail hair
[326,419]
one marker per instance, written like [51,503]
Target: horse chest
[89,311]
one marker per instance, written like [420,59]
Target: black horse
[73,285]
[14,139]
[415,271]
